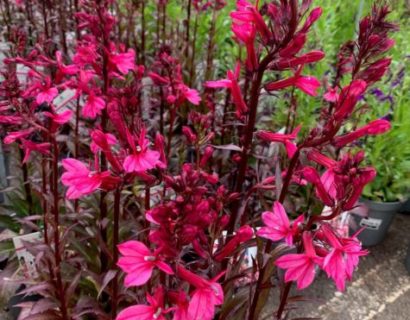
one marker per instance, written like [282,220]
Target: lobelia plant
[166,189]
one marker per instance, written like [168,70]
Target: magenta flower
[16,135]
[139,262]
[307,84]
[278,226]
[342,259]
[288,63]
[123,62]
[181,304]
[29,146]
[101,141]
[232,83]
[343,181]
[311,175]
[46,93]
[244,234]
[348,98]
[190,94]
[62,69]
[93,106]
[205,297]
[82,181]
[60,118]
[286,139]
[373,128]
[300,267]
[331,95]
[142,158]
[154,311]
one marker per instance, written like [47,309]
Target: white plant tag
[371,223]
[26,259]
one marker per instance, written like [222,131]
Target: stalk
[116,227]
[57,253]
[103,160]
[142,32]
[248,135]
[192,64]
[259,285]
[171,129]
[209,57]
[26,184]
[188,30]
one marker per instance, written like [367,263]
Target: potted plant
[391,158]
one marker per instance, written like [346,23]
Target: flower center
[215,289]
[150,258]
[138,148]
[158,313]
[91,174]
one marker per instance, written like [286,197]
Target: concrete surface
[380,289]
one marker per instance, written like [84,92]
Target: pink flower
[205,297]
[13,136]
[190,94]
[311,19]
[142,158]
[343,181]
[342,259]
[278,226]
[232,83]
[181,302]
[309,57]
[123,62]
[286,139]
[93,106]
[154,311]
[80,180]
[101,141]
[348,99]
[11,119]
[139,262]
[63,69]
[60,118]
[376,70]
[373,128]
[307,84]
[294,46]
[331,95]
[244,234]
[29,147]
[46,94]
[311,175]
[300,267]
[246,21]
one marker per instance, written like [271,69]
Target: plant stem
[57,253]
[26,184]
[247,143]
[116,228]
[259,285]
[171,129]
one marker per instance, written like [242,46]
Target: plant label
[371,223]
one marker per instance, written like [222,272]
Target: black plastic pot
[378,221]
[405,208]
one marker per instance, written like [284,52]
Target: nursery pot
[378,221]
[405,208]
